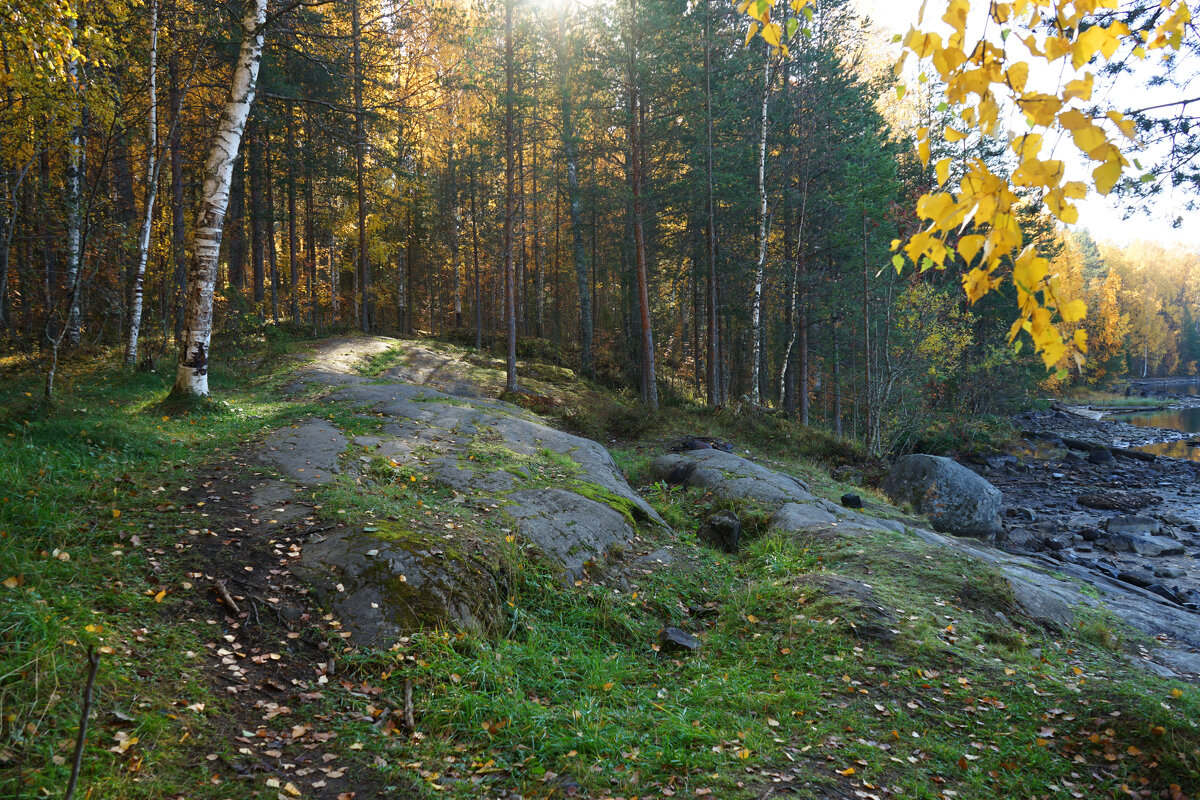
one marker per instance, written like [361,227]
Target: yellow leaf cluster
[980,78]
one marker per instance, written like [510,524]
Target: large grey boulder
[730,476]
[956,500]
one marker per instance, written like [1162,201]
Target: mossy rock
[386,582]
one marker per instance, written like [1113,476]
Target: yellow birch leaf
[1027,146]
[1056,48]
[1081,340]
[1089,140]
[976,284]
[1126,126]
[1073,119]
[1076,190]
[1106,176]
[968,247]
[750,33]
[956,15]
[943,171]
[771,33]
[1079,88]
[1039,107]
[1018,76]
[953,135]
[1091,40]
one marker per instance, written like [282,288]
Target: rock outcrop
[729,475]
[560,498]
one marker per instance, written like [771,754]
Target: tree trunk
[756,303]
[360,144]
[152,165]
[649,388]
[713,374]
[866,314]
[272,253]
[539,277]
[475,256]
[837,382]
[178,241]
[455,222]
[293,242]
[573,204]
[257,224]
[310,226]
[76,167]
[191,377]
[510,311]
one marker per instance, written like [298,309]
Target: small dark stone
[1100,456]
[1020,512]
[673,640]
[852,501]
[696,444]
[1169,572]
[1089,534]
[1053,543]
[721,530]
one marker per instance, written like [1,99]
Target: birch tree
[153,163]
[763,225]
[191,378]
[76,165]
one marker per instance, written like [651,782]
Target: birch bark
[756,308]
[191,377]
[152,166]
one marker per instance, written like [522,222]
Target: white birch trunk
[191,377]
[756,308]
[74,187]
[152,166]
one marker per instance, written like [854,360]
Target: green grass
[82,554]
[576,689]
[959,700]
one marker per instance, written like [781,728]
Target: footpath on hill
[415,589]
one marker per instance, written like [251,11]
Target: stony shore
[1127,523]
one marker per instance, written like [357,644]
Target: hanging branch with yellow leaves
[772,32]
[982,78]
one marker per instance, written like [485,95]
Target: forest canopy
[667,199]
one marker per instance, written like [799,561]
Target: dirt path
[271,654]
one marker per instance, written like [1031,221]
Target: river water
[1181,419]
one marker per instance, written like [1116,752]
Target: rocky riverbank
[1051,429]
[1125,522]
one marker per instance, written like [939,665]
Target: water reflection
[1183,387]
[1180,419]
